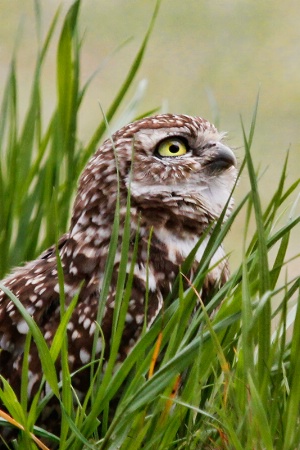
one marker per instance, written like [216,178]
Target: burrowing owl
[180,176]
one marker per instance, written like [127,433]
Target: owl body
[180,176]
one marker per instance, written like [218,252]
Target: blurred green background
[207,58]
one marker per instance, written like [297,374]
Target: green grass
[227,376]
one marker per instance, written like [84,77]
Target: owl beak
[222,158]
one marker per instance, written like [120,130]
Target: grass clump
[220,376]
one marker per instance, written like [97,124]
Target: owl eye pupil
[174,148]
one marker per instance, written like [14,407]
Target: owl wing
[33,285]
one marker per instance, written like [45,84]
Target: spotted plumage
[180,176]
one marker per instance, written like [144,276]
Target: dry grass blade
[16,424]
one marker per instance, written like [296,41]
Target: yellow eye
[172,147]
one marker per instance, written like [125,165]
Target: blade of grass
[44,353]
[264,330]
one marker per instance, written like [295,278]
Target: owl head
[179,173]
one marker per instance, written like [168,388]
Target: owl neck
[85,254]
[176,222]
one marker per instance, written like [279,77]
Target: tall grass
[215,377]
